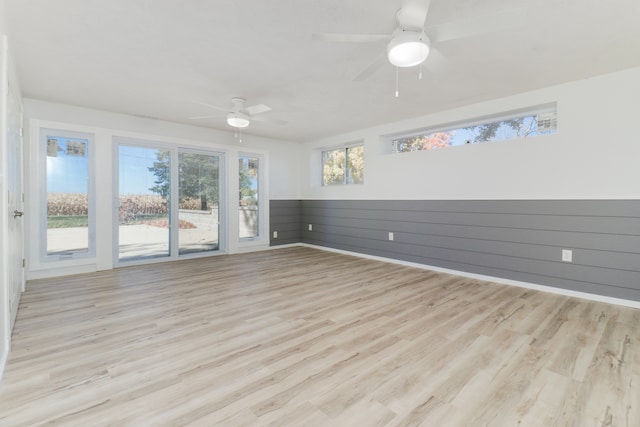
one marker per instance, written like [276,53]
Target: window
[248,200]
[343,165]
[523,125]
[68,214]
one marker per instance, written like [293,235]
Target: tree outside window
[497,130]
[343,166]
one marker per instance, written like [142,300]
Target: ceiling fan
[410,43]
[239,116]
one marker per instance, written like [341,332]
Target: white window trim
[40,246]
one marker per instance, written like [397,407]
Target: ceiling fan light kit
[408,48]
[409,45]
[238,120]
[239,116]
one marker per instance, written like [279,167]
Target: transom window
[522,125]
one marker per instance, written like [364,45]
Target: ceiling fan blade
[269,120]
[257,109]
[413,14]
[203,117]
[372,68]
[350,38]
[478,25]
[436,62]
[215,107]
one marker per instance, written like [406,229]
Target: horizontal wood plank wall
[284,217]
[512,239]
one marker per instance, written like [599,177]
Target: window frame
[346,180]
[44,257]
[474,122]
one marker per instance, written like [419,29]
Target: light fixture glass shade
[238,120]
[408,48]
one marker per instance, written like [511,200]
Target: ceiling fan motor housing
[237,104]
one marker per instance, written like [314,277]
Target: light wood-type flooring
[299,336]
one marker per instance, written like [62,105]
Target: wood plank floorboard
[303,337]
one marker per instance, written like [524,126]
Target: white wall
[281,162]
[594,155]
[3,17]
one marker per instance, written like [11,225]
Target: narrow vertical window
[68,199]
[249,218]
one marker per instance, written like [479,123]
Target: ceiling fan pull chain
[397,91]
[420,73]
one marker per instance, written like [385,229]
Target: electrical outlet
[390,235]
[275,234]
[567,255]
[310,227]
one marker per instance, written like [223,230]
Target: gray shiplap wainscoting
[512,239]
[284,218]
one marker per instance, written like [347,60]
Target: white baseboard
[292,245]
[250,248]
[543,288]
[3,359]
[59,272]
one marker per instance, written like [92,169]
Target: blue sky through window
[67,165]
[134,175]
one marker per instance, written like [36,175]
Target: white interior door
[4,278]
[11,184]
[15,255]
[11,201]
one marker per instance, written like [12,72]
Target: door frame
[10,291]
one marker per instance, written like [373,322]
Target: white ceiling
[155,57]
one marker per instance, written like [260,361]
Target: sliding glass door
[169,201]
[199,202]
[144,199]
